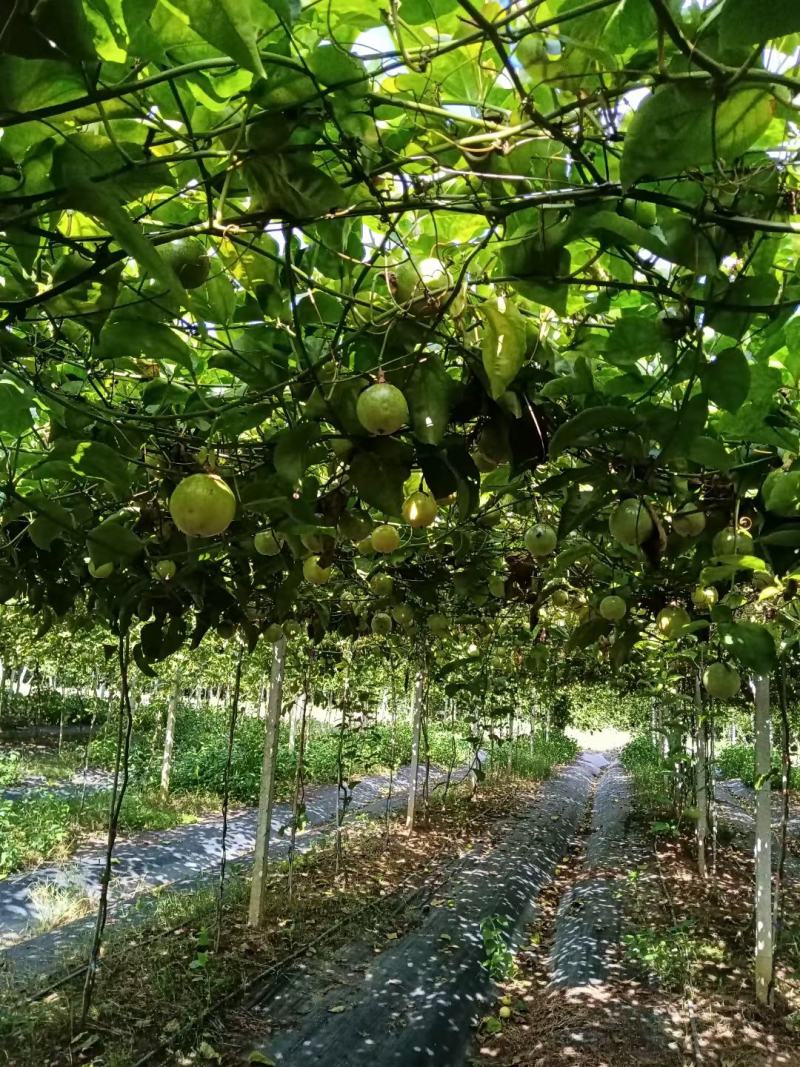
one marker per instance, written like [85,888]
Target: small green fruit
[721,681]
[165,569]
[403,615]
[382,408]
[704,597]
[381,623]
[273,633]
[671,620]
[381,584]
[541,540]
[613,608]
[733,541]
[266,543]
[313,573]
[385,539]
[630,523]
[497,585]
[689,521]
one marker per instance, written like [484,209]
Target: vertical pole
[169,736]
[701,786]
[763,847]
[258,901]
[416,724]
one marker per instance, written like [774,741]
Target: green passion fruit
[721,681]
[382,408]
[630,523]
[419,510]
[202,505]
[613,608]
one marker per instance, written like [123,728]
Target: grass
[532,758]
[19,764]
[165,981]
[44,827]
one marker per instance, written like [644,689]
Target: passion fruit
[202,505]
[733,541]
[419,510]
[613,608]
[187,257]
[541,540]
[382,408]
[385,539]
[630,523]
[721,681]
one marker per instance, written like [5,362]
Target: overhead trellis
[545,221]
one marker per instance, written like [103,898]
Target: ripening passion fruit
[419,510]
[721,681]
[382,408]
[541,540]
[385,539]
[202,505]
[630,523]
[613,608]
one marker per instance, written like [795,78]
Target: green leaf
[100,204]
[587,423]
[503,344]
[680,127]
[750,644]
[28,84]
[709,453]
[126,337]
[588,632]
[611,225]
[286,185]
[96,460]
[16,408]
[52,521]
[296,449]
[379,471]
[429,393]
[726,381]
[111,542]
[754,22]
[634,336]
[785,537]
[232,26]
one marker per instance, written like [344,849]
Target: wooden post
[258,899]
[701,786]
[169,736]
[763,847]
[416,724]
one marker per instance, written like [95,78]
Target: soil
[694,1004]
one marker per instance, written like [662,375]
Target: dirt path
[416,1002]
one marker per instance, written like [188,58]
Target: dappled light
[400,533]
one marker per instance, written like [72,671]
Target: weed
[498,958]
[675,955]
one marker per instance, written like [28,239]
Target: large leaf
[101,205]
[232,26]
[726,381]
[754,21]
[296,449]
[587,426]
[111,542]
[16,408]
[429,394]
[679,127]
[379,471]
[503,344]
[288,186]
[750,644]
